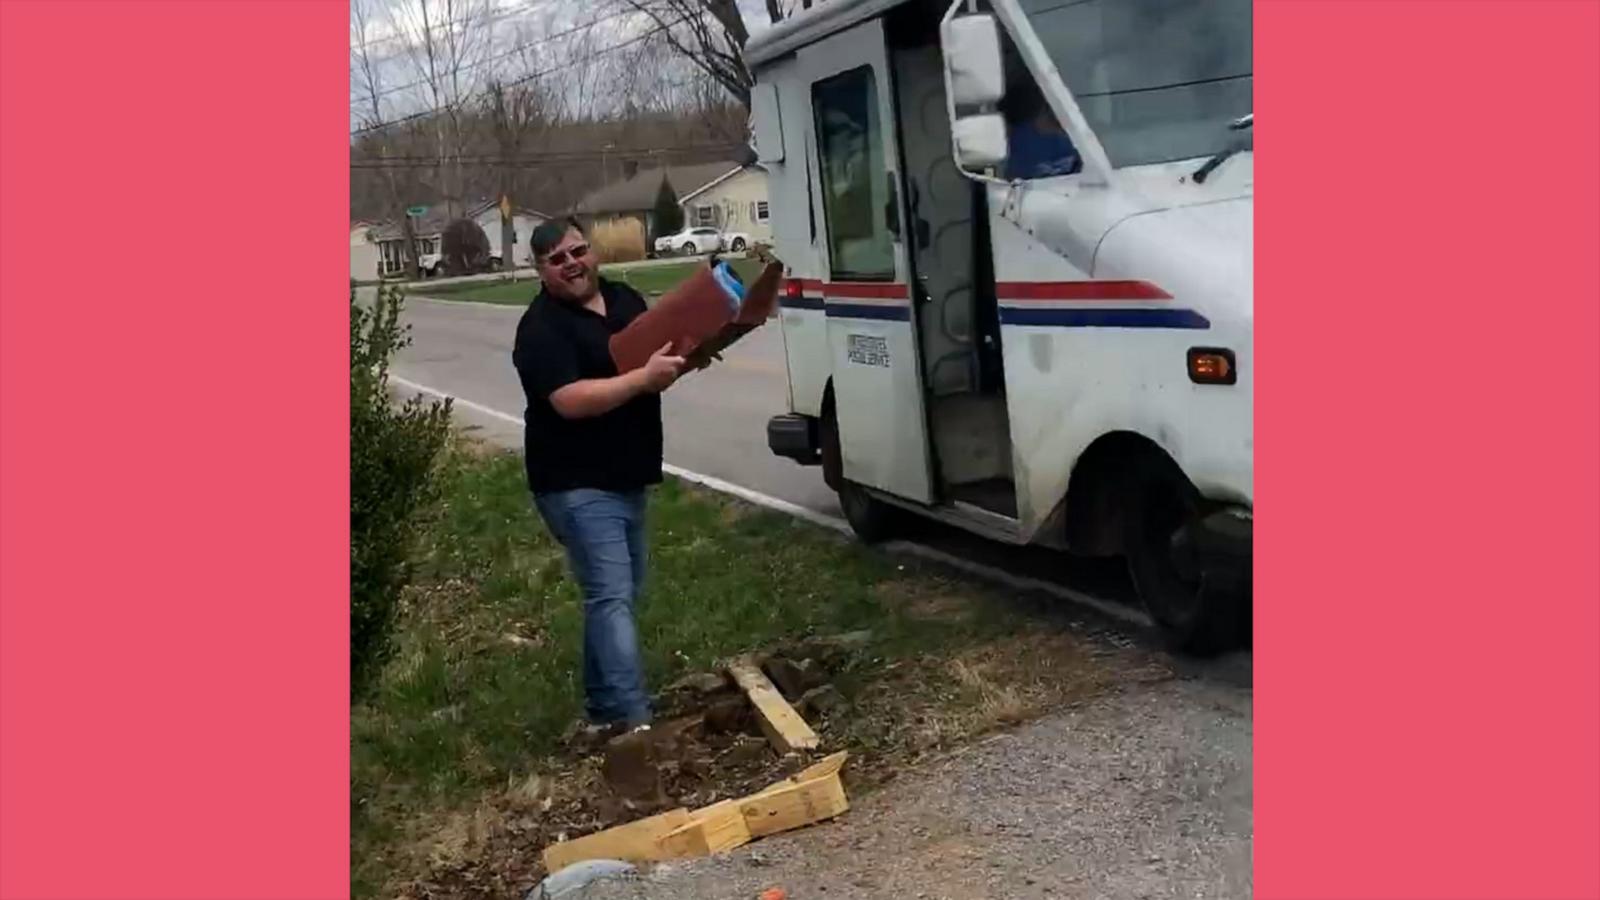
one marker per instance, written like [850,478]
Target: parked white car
[432,264]
[692,241]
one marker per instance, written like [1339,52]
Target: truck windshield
[1158,80]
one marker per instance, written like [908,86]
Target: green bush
[393,449]
[465,248]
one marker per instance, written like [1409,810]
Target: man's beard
[576,289]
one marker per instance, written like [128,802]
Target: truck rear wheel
[871,519]
[1193,617]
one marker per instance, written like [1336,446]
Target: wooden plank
[711,829]
[828,765]
[794,806]
[782,725]
[634,842]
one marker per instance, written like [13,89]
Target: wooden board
[794,806]
[634,842]
[711,829]
[782,725]
[828,765]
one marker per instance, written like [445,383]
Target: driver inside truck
[1037,146]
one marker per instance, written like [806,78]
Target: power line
[520,10]
[432,111]
[552,158]
[497,57]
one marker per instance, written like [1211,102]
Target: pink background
[173,450]
[173,649]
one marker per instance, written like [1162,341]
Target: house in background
[388,238]
[365,264]
[734,201]
[726,194]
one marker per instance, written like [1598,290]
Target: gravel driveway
[1141,793]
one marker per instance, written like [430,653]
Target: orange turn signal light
[1212,365]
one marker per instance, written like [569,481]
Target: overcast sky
[513,24]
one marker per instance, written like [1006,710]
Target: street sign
[416,210]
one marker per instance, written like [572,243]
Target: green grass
[511,293]
[646,280]
[485,677]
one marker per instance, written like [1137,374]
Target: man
[1038,148]
[593,445]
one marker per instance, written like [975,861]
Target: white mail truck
[1019,292]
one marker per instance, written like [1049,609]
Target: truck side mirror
[975,80]
[980,141]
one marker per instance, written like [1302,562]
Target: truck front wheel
[1195,613]
[871,519]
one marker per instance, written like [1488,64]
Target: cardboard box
[694,317]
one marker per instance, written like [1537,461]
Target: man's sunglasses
[559,258]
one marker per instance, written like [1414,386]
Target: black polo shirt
[557,344]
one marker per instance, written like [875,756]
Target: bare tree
[605,96]
[446,41]
[519,115]
[365,79]
[709,33]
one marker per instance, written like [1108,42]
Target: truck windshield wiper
[1243,123]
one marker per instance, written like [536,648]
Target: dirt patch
[927,707]
[707,745]
[927,601]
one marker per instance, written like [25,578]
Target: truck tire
[871,519]
[1191,618]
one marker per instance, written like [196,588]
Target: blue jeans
[603,533]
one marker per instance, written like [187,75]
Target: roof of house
[639,192]
[685,198]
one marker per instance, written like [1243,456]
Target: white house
[736,200]
[365,262]
[727,195]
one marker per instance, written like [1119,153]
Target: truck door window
[854,191]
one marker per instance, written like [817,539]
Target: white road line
[458,401]
[773,503]
[977,569]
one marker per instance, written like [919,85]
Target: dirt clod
[728,715]
[821,701]
[833,651]
[632,768]
[701,683]
[745,752]
[793,678]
